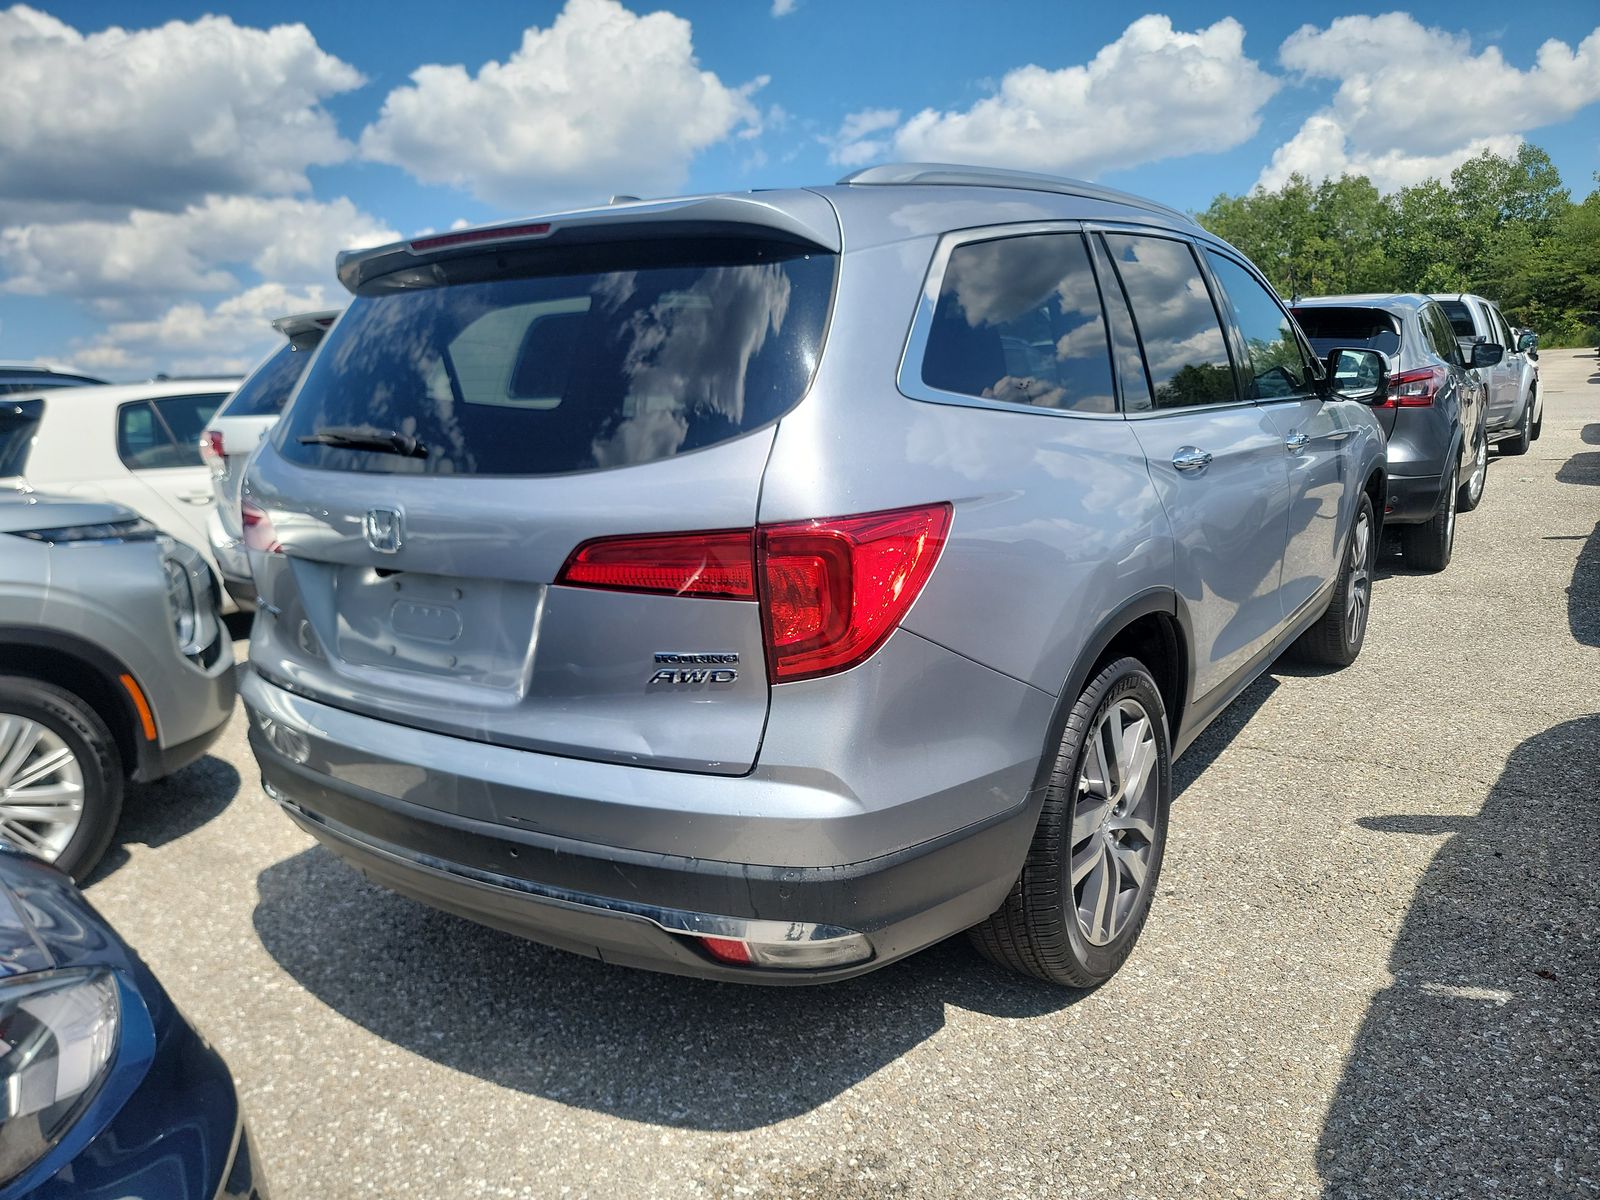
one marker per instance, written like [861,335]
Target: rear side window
[1178,326]
[18,420]
[267,390]
[558,360]
[1277,368]
[1503,333]
[1357,328]
[1018,320]
[165,432]
[1441,334]
[1460,317]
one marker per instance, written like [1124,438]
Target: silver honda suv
[767,586]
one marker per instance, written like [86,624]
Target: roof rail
[1029,181]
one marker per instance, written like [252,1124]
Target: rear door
[158,441]
[1278,375]
[543,399]
[1506,390]
[1217,459]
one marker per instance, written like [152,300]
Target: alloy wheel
[1480,470]
[1114,820]
[41,788]
[1360,590]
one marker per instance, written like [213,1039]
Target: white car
[136,444]
[236,429]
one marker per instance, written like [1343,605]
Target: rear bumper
[644,909]
[1412,499]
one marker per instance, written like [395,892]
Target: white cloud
[1153,93]
[1414,102]
[195,339]
[854,145]
[147,253]
[158,117]
[602,101]
[782,8]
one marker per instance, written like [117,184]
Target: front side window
[1178,326]
[1018,320]
[1278,369]
[562,359]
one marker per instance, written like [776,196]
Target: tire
[1337,637]
[1471,492]
[1538,420]
[1524,438]
[1038,930]
[59,724]
[1427,547]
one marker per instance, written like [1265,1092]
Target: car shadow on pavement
[1474,1072]
[154,814]
[647,1047]
[1591,433]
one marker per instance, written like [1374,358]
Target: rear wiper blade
[365,437]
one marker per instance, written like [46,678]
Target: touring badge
[679,669]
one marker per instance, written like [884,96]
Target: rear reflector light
[439,241]
[831,591]
[726,949]
[717,565]
[258,531]
[211,447]
[1414,389]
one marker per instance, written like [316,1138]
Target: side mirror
[1487,354]
[1358,374]
[1527,340]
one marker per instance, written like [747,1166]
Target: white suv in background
[236,429]
[1515,411]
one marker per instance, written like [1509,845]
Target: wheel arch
[84,669]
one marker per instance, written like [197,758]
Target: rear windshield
[267,390]
[18,420]
[547,362]
[1368,328]
[1460,317]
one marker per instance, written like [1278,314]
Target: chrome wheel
[1114,820]
[1480,472]
[1359,594]
[41,788]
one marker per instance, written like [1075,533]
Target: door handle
[196,497]
[1191,458]
[1296,442]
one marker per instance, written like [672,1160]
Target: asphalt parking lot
[1371,971]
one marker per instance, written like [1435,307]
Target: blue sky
[165,186]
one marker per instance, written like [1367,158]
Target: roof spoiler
[803,219]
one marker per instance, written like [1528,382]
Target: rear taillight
[717,565]
[831,591]
[211,448]
[258,531]
[1414,389]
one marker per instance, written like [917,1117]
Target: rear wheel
[1472,489]
[1336,638]
[1076,910]
[1427,547]
[60,775]
[1524,437]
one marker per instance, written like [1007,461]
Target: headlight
[106,531]
[185,611]
[58,1033]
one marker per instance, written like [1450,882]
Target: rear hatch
[471,422]
[1354,327]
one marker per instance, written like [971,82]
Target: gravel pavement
[1371,969]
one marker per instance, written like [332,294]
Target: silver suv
[767,586]
[113,665]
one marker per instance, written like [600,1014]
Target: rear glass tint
[567,360]
[1460,317]
[1356,328]
[267,390]
[1018,320]
[18,420]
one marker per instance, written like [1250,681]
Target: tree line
[1503,226]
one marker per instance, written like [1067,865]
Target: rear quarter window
[574,359]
